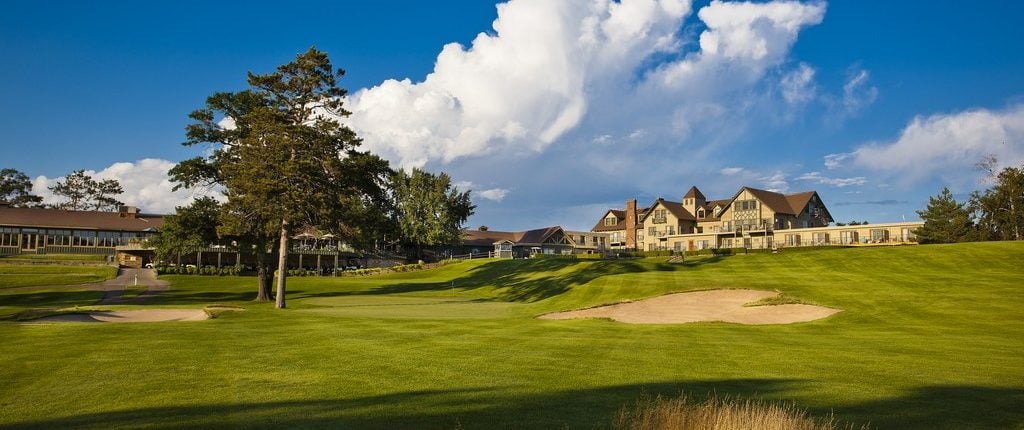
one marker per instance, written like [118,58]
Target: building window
[671,229]
[650,247]
[652,231]
[9,237]
[678,246]
[610,221]
[820,238]
[700,213]
[848,237]
[83,238]
[640,236]
[746,205]
[792,240]
[718,210]
[660,216]
[702,244]
[879,236]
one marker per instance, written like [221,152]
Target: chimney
[128,212]
[631,224]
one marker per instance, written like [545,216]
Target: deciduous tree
[1000,209]
[16,189]
[191,227]
[430,210]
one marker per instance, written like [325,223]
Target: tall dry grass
[680,413]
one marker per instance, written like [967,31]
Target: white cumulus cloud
[550,67]
[947,146]
[145,183]
[493,194]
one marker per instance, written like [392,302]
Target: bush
[712,251]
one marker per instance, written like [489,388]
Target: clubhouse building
[121,237]
[752,218]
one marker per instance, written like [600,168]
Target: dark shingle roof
[675,208]
[694,193]
[82,220]
[489,237]
[620,224]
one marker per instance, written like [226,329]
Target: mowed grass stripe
[929,338]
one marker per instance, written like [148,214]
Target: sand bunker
[146,315]
[697,306]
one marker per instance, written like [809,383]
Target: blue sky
[560,109]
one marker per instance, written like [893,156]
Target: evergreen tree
[283,158]
[82,192]
[430,211]
[16,189]
[945,220]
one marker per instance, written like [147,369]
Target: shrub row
[206,271]
[569,256]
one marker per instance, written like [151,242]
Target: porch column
[300,261]
[318,265]
[335,272]
[218,259]
[199,259]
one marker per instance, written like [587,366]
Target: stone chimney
[631,224]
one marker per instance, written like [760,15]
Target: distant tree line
[996,213]
[77,191]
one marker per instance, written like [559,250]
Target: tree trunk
[263,277]
[282,264]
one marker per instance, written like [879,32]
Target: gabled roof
[777,202]
[81,220]
[620,223]
[486,237]
[799,201]
[675,208]
[490,237]
[620,215]
[789,204]
[694,193]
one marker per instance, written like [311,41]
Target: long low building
[121,236]
[52,231]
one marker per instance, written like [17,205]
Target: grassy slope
[930,338]
[12,276]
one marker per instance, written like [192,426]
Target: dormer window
[718,210]
[611,221]
[700,213]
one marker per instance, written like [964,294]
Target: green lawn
[18,275]
[930,337]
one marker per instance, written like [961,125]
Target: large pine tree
[945,220]
[284,159]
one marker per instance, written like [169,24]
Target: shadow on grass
[49,299]
[938,407]
[519,280]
